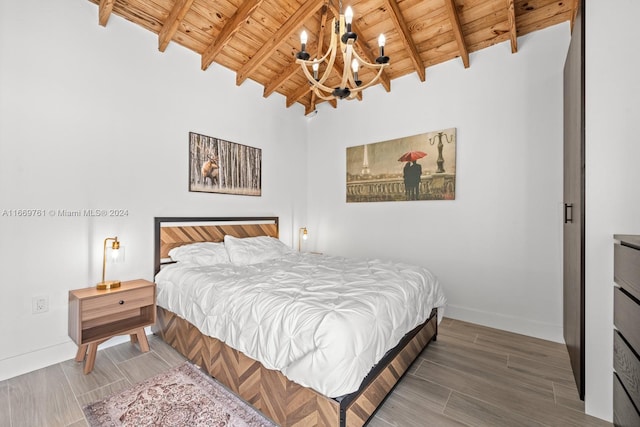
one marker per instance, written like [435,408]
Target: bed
[289,393]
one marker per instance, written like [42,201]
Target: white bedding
[322,321]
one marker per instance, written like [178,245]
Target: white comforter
[322,321]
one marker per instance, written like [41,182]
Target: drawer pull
[568,213]
[121,302]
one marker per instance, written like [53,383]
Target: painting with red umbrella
[418,167]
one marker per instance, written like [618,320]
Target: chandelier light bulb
[354,67]
[381,42]
[348,16]
[303,55]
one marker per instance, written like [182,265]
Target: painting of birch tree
[219,166]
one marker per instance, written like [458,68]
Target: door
[574,203]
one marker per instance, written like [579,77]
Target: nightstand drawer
[626,317]
[118,302]
[626,263]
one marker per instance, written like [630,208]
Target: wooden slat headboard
[171,232]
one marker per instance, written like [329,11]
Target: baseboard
[41,358]
[519,325]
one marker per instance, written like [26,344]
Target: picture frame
[220,166]
[418,167]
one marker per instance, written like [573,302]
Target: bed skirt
[284,401]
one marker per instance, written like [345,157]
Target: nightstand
[97,315]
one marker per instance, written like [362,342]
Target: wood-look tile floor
[471,376]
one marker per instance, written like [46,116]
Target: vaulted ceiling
[258,39]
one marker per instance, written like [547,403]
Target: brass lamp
[110,284]
[303,236]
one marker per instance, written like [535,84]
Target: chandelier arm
[347,75]
[366,64]
[312,81]
[331,54]
[333,41]
[355,91]
[321,95]
[333,48]
[371,82]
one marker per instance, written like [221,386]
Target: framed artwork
[219,166]
[418,167]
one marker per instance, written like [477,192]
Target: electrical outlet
[40,304]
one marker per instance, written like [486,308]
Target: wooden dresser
[626,335]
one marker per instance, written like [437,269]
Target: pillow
[203,253]
[253,250]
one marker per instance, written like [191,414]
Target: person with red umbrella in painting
[412,173]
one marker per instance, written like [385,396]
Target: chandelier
[350,84]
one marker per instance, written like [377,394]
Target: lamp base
[111,284]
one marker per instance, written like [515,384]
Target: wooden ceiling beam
[403,30]
[104,11]
[301,91]
[513,31]
[292,24]
[457,31]
[312,105]
[282,77]
[170,26]
[237,21]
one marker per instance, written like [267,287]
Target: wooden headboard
[171,232]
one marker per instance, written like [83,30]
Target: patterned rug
[183,396]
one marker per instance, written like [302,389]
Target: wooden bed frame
[284,401]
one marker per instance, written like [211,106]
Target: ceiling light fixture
[350,84]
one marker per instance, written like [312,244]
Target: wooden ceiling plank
[513,32]
[228,31]
[170,26]
[407,40]
[457,31]
[104,11]
[292,24]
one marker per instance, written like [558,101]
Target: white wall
[612,177]
[78,102]
[98,118]
[497,248]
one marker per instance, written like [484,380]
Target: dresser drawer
[118,302]
[624,413]
[626,317]
[627,366]
[626,267]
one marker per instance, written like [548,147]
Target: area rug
[182,396]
